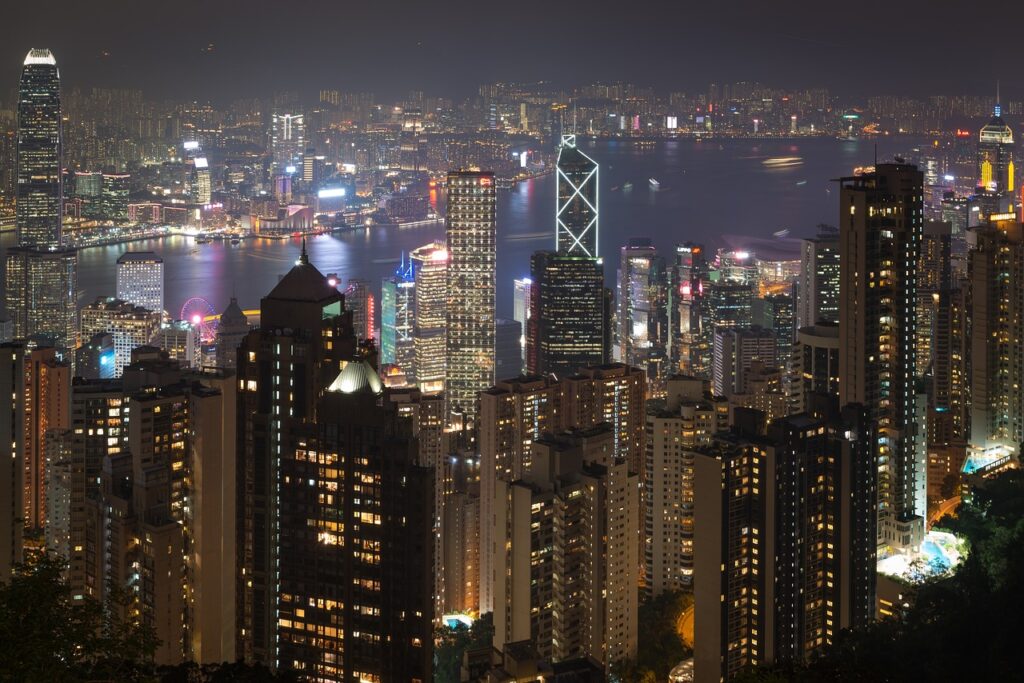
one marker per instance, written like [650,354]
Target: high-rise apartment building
[576,209]
[140,279]
[471,242]
[784,539]
[689,419]
[567,552]
[643,334]
[430,273]
[566,323]
[775,312]
[996,350]
[881,223]
[815,369]
[47,402]
[817,290]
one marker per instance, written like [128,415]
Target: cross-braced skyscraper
[576,210]
[471,230]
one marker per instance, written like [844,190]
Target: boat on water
[801,182]
[627,186]
[202,239]
[236,240]
[654,183]
[614,189]
[781,233]
[782,162]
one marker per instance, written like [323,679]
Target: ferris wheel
[198,312]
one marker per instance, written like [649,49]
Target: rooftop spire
[304,258]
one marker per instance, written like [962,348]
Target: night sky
[451,46]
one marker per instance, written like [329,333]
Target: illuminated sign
[329,192]
[289,169]
[1002,216]
[201,162]
[191,144]
[671,122]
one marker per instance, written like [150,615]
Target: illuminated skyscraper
[140,279]
[576,214]
[130,326]
[40,183]
[202,188]
[114,199]
[287,141]
[41,279]
[471,236]
[643,311]
[995,154]
[566,325]
[521,310]
[430,273]
[881,225]
[397,320]
[688,306]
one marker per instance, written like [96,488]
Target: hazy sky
[450,46]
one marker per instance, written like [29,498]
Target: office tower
[730,304]
[506,348]
[688,308]
[995,154]
[180,339]
[287,141]
[430,272]
[513,415]
[140,279]
[355,554]
[881,225]
[996,352]
[567,552]
[576,215]
[689,419]
[6,330]
[817,289]
[305,337]
[815,365]
[114,199]
[359,299]
[612,393]
[643,311]
[130,326]
[784,540]
[94,358]
[158,519]
[775,312]
[566,324]
[521,298]
[202,186]
[40,192]
[470,230]
[231,330]
[41,284]
[398,321]
[88,185]
[735,349]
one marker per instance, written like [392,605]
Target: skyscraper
[817,290]
[471,240]
[881,224]
[430,273]
[566,324]
[40,139]
[130,326]
[643,311]
[287,141]
[688,306]
[398,320]
[41,279]
[521,299]
[995,154]
[576,210]
[140,279]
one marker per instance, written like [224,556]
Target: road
[945,507]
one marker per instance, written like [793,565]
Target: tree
[660,648]
[450,642]
[47,636]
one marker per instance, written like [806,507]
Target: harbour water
[718,192]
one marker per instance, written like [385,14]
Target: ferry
[782,162]
[202,239]
[781,233]
[627,186]
[654,183]
[235,240]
